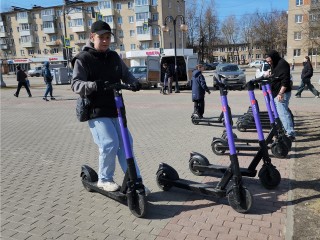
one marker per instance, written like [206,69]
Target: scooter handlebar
[120,86]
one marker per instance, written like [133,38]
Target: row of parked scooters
[132,191]
[230,184]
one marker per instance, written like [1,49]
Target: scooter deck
[197,187]
[222,169]
[117,195]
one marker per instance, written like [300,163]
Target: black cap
[100,27]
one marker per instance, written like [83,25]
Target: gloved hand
[101,85]
[136,86]
[208,91]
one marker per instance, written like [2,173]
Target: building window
[71,37]
[76,22]
[145,45]
[89,22]
[130,5]
[131,19]
[140,30]
[108,19]
[36,39]
[44,39]
[118,6]
[30,52]
[132,33]
[82,36]
[154,2]
[132,46]
[296,52]
[258,56]
[142,16]
[299,2]
[39,51]
[54,50]
[22,52]
[142,2]
[155,17]
[297,35]
[155,31]
[119,20]
[53,38]
[104,4]
[156,45]
[298,18]
[121,47]
[120,33]
[169,4]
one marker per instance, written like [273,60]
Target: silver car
[140,73]
[231,75]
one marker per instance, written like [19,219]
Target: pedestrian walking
[306,74]
[292,66]
[48,80]
[22,81]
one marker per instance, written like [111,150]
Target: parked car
[256,63]
[37,71]
[231,75]
[140,73]
[263,70]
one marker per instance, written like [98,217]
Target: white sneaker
[108,186]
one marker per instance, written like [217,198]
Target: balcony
[144,37]
[107,11]
[53,43]
[3,34]
[25,32]
[142,9]
[49,30]
[80,42]
[23,17]
[27,44]
[48,18]
[79,29]
[4,46]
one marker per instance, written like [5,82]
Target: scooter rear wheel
[241,127]
[85,178]
[193,120]
[279,149]
[245,200]
[269,176]
[163,186]
[139,205]
[215,147]
[193,161]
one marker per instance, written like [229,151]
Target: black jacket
[280,70]
[307,71]
[21,76]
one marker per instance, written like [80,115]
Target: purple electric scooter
[269,176]
[239,197]
[132,190]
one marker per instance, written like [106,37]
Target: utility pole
[65,35]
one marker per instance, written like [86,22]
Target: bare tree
[230,32]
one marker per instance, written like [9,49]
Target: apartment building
[29,37]
[237,53]
[303,31]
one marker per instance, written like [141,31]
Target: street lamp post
[65,35]
[183,28]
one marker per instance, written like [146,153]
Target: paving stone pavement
[43,148]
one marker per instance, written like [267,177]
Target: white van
[185,66]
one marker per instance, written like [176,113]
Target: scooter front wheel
[269,176]
[194,120]
[215,147]
[241,126]
[139,208]
[85,179]
[245,197]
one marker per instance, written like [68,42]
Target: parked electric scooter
[239,197]
[280,145]
[269,176]
[195,119]
[132,190]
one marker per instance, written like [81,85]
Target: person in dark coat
[21,78]
[306,74]
[199,89]
[48,80]
[281,89]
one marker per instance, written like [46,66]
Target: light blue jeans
[284,114]
[106,134]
